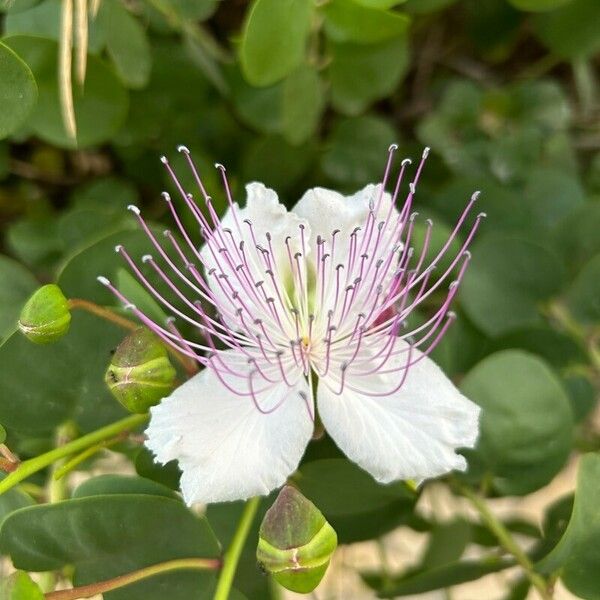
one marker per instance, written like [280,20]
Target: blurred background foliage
[298,93]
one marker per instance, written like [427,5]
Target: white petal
[412,434]
[328,210]
[227,449]
[263,214]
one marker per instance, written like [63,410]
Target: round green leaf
[538,5]
[349,21]
[360,74]
[259,108]
[276,163]
[18,91]
[526,421]
[274,39]
[17,285]
[381,4]
[100,107]
[303,103]
[109,535]
[507,280]
[571,31]
[12,500]
[127,43]
[77,278]
[584,295]
[42,19]
[43,386]
[121,484]
[577,554]
[576,236]
[356,151]
[551,196]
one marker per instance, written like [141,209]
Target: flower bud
[140,373]
[295,542]
[45,318]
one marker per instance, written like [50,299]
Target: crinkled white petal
[375,238]
[226,448]
[412,434]
[327,210]
[267,216]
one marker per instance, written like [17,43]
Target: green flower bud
[140,373]
[46,317]
[295,542]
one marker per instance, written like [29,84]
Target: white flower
[283,299]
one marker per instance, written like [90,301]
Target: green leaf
[20,586]
[167,475]
[12,500]
[558,349]
[259,108]
[381,4]
[35,241]
[138,294]
[126,43]
[356,151]
[43,20]
[276,163]
[551,196]
[17,285]
[121,484]
[426,580]
[100,107]
[447,542]
[303,103]
[583,297]
[538,5]
[577,237]
[193,10]
[274,39]
[77,278]
[18,91]
[349,21]
[111,535]
[577,555]
[526,421]
[361,74]
[571,31]
[43,386]
[357,507]
[506,281]
[417,7]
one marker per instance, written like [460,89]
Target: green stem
[506,540]
[33,465]
[232,556]
[93,589]
[104,313]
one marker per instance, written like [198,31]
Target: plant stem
[102,312]
[87,591]
[110,315]
[33,465]
[232,556]
[506,540]
[58,490]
